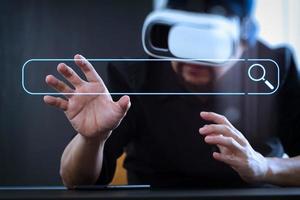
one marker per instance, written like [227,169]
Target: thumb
[124,103]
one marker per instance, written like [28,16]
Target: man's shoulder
[284,58]
[280,53]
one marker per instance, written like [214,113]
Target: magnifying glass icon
[262,78]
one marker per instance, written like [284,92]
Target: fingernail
[48,78]
[207,138]
[203,113]
[61,65]
[203,130]
[79,57]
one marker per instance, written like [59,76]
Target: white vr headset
[177,34]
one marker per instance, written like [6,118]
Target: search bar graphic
[261,76]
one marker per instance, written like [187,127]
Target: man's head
[216,30]
[243,10]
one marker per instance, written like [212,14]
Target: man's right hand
[92,116]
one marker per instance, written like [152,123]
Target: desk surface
[61,193]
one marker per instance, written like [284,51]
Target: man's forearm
[283,171]
[81,161]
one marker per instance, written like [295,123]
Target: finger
[124,103]
[220,129]
[56,102]
[227,142]
[87,68]
[224,158]
[70,75]
[216,118]
[58,85]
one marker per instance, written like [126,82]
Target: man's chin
[200,87]
[198,77]
[197,81]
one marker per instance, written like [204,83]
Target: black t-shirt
[160,132]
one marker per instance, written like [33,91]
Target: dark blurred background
[33,135]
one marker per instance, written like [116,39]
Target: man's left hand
[234,148]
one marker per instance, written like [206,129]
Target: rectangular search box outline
[149,60]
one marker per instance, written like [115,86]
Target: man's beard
[208,87]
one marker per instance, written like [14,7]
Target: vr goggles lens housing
[184,35]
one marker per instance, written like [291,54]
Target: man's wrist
[270,174]
[97,140]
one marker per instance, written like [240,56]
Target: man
[170,140]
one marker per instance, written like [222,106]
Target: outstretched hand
[92,116]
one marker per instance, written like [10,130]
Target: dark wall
[33,135]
